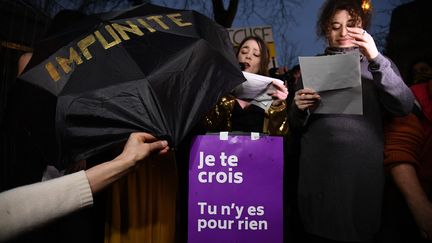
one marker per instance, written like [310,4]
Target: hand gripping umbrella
[150,68]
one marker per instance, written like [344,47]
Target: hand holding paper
[306,99]
[254,86]
[257,89]
[278,91]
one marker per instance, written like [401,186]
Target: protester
[233,114]
[341,175]
[25,208]
[408,157]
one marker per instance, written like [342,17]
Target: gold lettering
[147,26]
[178,21]
[122,30]
[103,41]
[52,71]
[157,18]
[84,44]
[64,62]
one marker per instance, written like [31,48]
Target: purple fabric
[251,186]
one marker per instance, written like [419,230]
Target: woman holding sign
[234,114]
[341,175]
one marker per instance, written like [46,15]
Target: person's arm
[394,95]
[27,207]
[404,139]
[406,179]
[304,99]
[138,147]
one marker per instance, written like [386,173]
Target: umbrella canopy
[149,68]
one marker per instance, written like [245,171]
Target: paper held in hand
[255,88]
[337,79]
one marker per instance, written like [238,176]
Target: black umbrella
[149,68]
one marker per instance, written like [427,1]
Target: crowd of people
[358,178]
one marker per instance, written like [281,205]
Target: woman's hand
[423,219]
[306,98]
[139,146]
[279,93]
[364,41]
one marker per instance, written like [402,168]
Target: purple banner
[235,189]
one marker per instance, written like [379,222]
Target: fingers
[158,146]
[364,41]
[164,150]
[280,92]
[356,31]
[306,98]
[142,136]
[304,107]
[361,37]
[154,144]
[306,91]
[279,86]
[278,95]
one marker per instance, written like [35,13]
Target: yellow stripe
[16,46]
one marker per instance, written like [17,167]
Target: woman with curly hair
[341,176]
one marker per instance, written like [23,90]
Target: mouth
[344,41]
[247,65]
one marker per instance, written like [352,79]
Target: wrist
[124,162]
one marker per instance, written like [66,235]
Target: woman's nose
[344,31]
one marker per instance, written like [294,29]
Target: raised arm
[27,207]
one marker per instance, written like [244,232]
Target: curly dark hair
[265,54]
[353,7]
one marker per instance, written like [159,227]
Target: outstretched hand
[140,145]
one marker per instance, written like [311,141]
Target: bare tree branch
[223,16]
[380,31]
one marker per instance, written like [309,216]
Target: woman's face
[337,34]
[250,55]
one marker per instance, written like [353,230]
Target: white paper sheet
[255,88]
[337,78]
